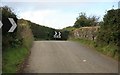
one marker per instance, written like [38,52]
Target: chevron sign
[14,25]
[57,35]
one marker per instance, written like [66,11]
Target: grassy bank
[109,50]
[12,58]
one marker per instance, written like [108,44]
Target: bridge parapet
[86,32]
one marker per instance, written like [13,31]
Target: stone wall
[85,32]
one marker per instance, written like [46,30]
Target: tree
[92,21]
[83,21]
[109,32]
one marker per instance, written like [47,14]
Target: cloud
[51,18]
[58,14]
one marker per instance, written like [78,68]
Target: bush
[24,33]
[109,33]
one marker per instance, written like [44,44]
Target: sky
[58,14]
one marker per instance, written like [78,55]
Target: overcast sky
[58,14]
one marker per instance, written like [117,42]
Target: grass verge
[109,50]
[12,58]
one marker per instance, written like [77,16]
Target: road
[68,57]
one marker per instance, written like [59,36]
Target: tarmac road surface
[68,57]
